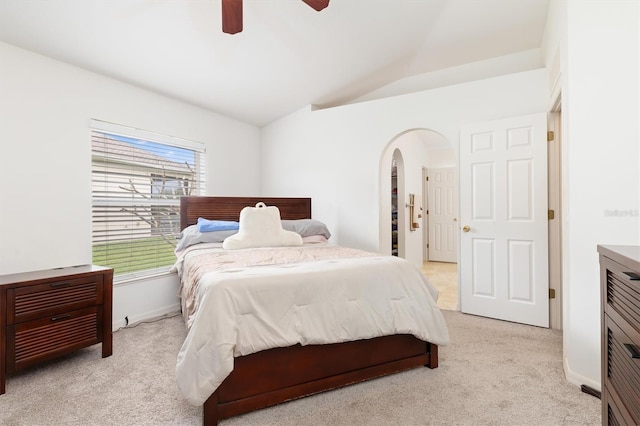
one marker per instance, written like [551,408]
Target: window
[137,180]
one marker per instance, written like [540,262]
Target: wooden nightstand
[46,314]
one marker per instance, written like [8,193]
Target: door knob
[466,228]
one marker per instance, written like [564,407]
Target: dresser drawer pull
[632,276]
[61,317]
[633,350]
[62,284]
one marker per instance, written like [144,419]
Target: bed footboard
[283,374]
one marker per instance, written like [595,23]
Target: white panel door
[503,217]
[442,200]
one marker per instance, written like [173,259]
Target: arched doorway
[411,154]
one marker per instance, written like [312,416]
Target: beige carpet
[492,373]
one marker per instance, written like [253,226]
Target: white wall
[442,158]
[598,43]
[45,164]
[334,155]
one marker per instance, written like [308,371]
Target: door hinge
[552,293]
[427,178]
[551,214]
[550,135]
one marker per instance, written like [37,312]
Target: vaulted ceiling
[288,55]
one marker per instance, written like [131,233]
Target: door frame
[554,179]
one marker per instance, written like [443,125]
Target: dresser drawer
[622,294]
[622,374]
[35,341]
[37,301]
[612,414]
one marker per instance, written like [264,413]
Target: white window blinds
[137,180]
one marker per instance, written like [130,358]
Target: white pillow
[260,226]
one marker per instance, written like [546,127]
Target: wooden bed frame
[277,375]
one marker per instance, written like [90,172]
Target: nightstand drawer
[45,338]
[614,415]
[36,301]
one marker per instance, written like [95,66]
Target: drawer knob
[61,317]
[632,350]
[59,284]
[632,276]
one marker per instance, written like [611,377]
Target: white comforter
[245,309]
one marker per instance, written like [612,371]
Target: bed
[275,375]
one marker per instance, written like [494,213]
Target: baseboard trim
[578,379]
[147,316]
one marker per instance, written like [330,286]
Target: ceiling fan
[232,13]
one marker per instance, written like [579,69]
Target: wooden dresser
[46,314]
[620,286]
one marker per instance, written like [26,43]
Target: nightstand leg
[2,375]
[107,313]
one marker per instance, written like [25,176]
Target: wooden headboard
[228,208]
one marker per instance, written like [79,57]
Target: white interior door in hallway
[442,200]
[503,213]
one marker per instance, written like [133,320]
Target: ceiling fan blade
[317,4]
[231,16]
